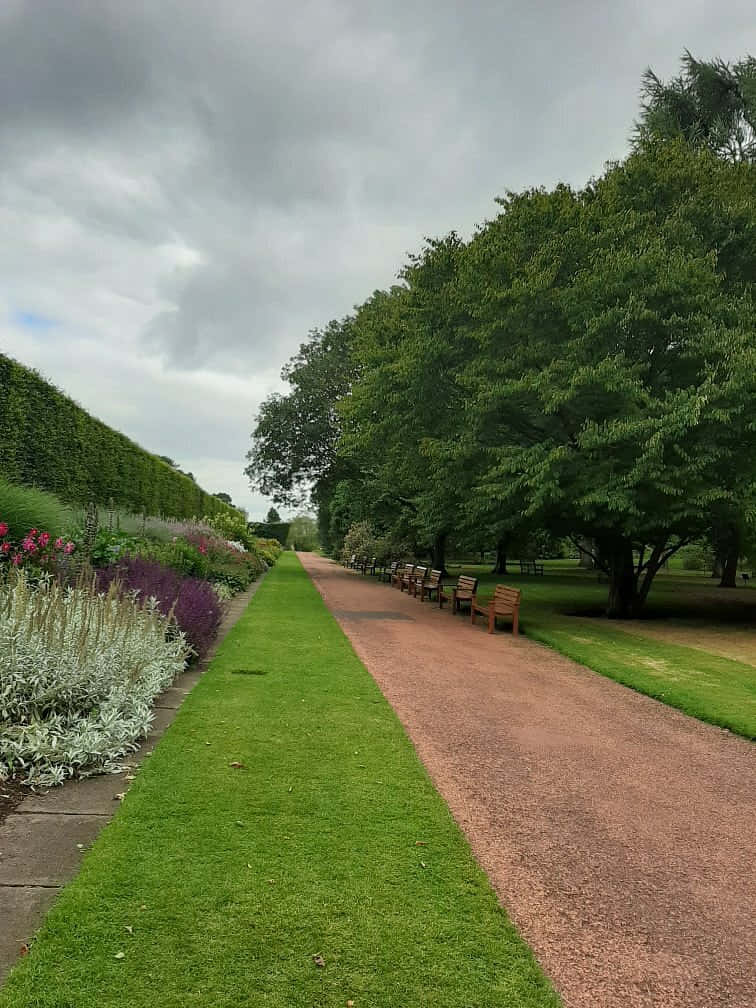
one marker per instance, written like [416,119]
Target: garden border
[35,864]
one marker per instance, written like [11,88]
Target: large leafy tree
[615,372]
[410,343]
[710,104]
[294,442]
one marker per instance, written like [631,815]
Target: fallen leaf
[248,865]
[129,928]
[120,955]
[120,796]
[130,777]
[24,950]
[423,864]
[350,1004]
[143,906]
[421,843]
[318,960]
[237,765]
[239,822]
[291,789]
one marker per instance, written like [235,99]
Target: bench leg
[515,622]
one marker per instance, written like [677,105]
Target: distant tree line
[583,368]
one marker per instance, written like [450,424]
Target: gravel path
[618,833]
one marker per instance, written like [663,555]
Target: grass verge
[219,885]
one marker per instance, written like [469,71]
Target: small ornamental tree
[360,541]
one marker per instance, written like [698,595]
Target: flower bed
[79,670]
[190,601]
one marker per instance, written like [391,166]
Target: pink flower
[58,543]
[16,559]
[32,533]
[68,548]
[3,528]
[5,548]
[44,539]
[28,545]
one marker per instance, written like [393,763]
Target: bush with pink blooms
[35,548]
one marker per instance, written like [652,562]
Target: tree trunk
[730,568]
[716,571]
[584,559]
[500,566]
[624,600]
[729,552]
[439,553]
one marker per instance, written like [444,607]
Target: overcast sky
[187,187]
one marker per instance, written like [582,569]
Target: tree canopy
[709,104]
[584,366]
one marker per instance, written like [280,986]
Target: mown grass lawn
[561,609]
[219,885]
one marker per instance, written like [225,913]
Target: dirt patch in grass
[11,794]
[736,643]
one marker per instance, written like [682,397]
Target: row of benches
[427,584]
[371,566]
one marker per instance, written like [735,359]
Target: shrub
[269,550]
[109,546]
[360,540]
[23,508]
[180,555]
[37,549]
[189,600]
[78,673]
[231,527]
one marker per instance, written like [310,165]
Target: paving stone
[94,795]
[172,697]
[21,910]
[163,717]
[41,848]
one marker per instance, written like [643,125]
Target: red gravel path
[618,833]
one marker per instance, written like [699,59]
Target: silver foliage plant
[79,671]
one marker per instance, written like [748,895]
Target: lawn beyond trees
[217,885]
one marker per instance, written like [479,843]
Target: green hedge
[51,443]
[270,530]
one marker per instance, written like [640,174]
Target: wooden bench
[387,574]
[402,571]
[461,593]
[505,602]
[410,580]
[368,566]
[429,586]
[530,567]
[351,561]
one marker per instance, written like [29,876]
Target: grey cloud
[192,186]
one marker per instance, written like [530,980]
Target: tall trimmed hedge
[48,441]
[270,530]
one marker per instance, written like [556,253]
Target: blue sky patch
[32,320]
